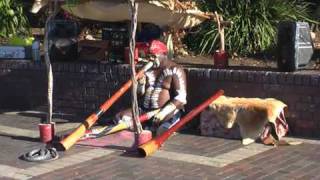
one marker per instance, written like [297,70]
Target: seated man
[163,88]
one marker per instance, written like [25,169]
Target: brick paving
[182,157]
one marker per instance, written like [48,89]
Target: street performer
[162,88]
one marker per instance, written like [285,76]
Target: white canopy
[159,12]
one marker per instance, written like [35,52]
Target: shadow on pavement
[22,138]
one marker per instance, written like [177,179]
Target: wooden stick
[221,31]
[134,99]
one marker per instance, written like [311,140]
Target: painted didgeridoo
[71,139]
[154,144]
[103,131]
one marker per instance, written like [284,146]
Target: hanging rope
[134,101]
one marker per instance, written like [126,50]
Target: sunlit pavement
[182,157]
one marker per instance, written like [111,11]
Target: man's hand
[142,80]
[160,116]
[141,85]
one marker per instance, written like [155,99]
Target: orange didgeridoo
[71,139]
[154,144]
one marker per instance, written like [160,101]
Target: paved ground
[182,157]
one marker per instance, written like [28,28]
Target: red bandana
[157,47]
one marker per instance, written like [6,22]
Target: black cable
[38,155]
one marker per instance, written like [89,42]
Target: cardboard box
[93,50]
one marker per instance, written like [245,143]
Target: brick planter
[79,88]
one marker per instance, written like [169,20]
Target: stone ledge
[79,88]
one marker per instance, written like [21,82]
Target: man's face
[155,59]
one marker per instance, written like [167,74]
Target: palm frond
[254,24]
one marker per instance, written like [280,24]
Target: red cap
[157,47]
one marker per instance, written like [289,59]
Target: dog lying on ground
[255,118]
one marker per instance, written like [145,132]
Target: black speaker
[63,36]
[294,46]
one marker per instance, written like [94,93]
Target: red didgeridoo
[154,144]
[71,139]
[122,126]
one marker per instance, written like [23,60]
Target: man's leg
[124,116]
[169,123]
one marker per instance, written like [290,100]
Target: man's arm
[180,99]
[179,85]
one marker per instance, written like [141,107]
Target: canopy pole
[47,60]
[134,102]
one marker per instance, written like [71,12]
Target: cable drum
[37,155]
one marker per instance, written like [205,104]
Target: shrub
[254,27]
[12,19]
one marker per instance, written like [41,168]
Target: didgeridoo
[103,131]
[154,144]
[72,138]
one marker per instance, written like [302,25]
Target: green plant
[12,19]
[254,24]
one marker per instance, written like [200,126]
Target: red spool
[220,59]
[47,132]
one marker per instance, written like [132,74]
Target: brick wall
[79,89]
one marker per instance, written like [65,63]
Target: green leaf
[12,18]
[255,24]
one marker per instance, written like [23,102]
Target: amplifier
[294,46]
[15,52]
[63,35]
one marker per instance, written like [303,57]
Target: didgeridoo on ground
[103,131]
[154,144]
[71,139]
